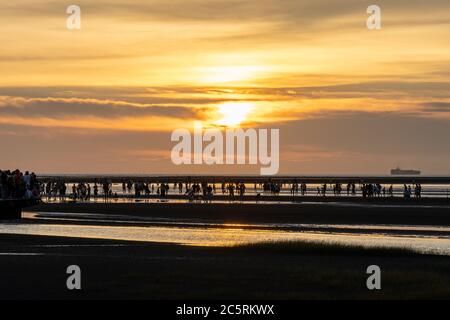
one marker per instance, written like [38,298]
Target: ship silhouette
[401,172]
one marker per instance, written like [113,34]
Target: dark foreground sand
[129,270]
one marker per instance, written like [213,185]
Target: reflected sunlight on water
[231,235]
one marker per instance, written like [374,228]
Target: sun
[233,113]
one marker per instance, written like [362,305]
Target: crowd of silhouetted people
[18,185]
[193,191]
[81,191]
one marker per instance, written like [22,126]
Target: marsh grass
[328,248]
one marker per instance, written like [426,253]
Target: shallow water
[423,239]
[428,190]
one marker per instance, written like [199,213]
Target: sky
[105,98]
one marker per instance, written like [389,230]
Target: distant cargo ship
[400,172]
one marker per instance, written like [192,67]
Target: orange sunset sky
[104,99]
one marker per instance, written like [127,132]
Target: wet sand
[34,266]
[321,213]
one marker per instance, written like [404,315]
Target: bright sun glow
[233,113]
[230,74]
